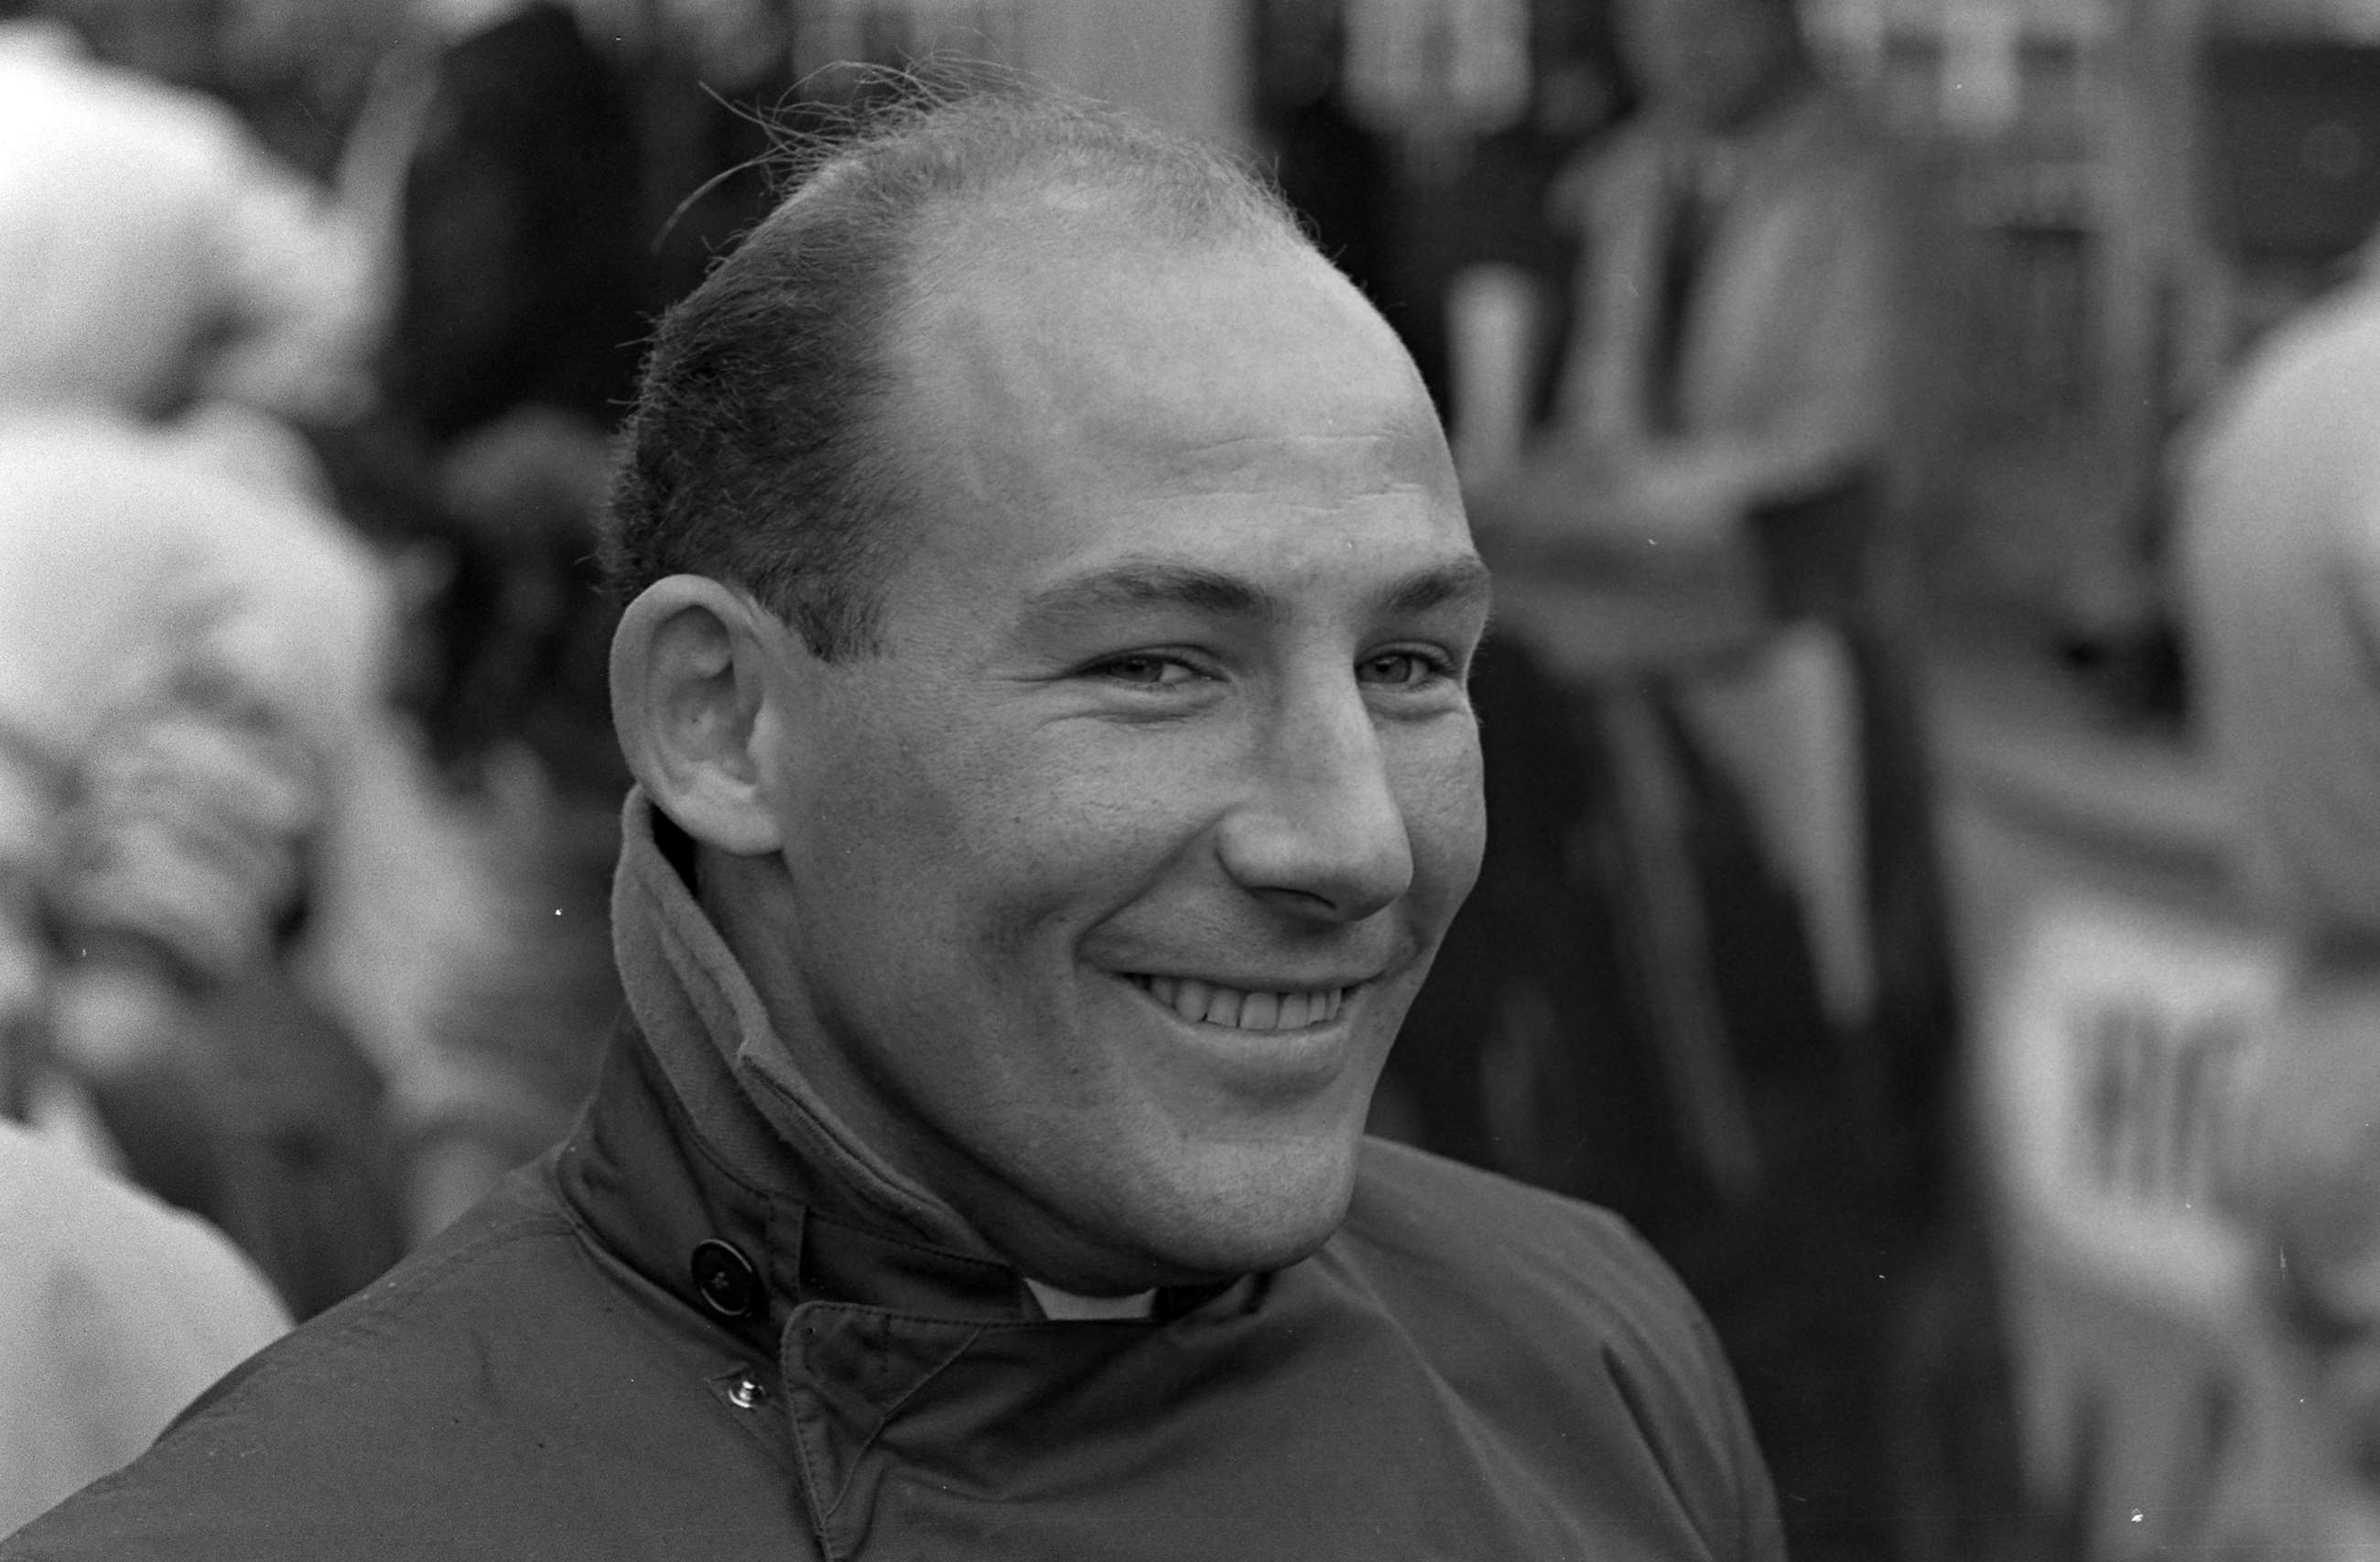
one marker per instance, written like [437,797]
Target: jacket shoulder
[509,1391]
[1559,1322]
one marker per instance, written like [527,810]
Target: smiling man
[1049,608]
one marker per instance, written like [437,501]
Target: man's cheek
[1438,788]
[925,795]
[1122,795]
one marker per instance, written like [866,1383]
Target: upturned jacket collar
[711,1165]
[704,1023]
[708,1167]
[1464,1369]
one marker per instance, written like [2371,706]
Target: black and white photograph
[1190,780]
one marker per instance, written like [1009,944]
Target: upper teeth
[1218,1005]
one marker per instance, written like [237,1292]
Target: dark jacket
[679,1335]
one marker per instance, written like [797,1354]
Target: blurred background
[1932,720]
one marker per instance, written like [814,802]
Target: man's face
[1114,874]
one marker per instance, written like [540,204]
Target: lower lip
[1305,1058]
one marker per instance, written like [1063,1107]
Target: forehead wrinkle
[1364,460]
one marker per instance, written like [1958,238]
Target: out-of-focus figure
[256,915]
[272,919]
[1698,547]
[2280,560]
[1749,397]
[1745,308]
[151,254]
[2281,567]
[503,142]
[187,655]
[114,1313]
[519,280]
[501,150]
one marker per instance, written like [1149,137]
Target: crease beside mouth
[1211,1003]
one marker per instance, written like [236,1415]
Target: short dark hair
[758,452]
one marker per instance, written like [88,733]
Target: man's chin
[1259,1219]
[1212,1212]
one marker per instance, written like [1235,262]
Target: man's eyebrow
[1460,583]
[1155,585]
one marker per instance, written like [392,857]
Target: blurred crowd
[314,321]
[317,319]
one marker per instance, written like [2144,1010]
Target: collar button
[724,1280]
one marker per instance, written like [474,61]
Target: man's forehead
[1195,365]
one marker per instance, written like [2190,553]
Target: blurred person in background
[1747,411]
[2280,568]
[151,254]
[1752,388]
[505,143]
[501,154]
[114,1310]
[518,282]
[254,920]
[545,176]
[203,301]
[2279,552]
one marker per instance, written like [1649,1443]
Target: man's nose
[1321,832]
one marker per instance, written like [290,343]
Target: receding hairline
[966,246]
[978,332]
[971,244]
[866,221]
[1084,207]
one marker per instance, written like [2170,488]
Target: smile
[1211,1003]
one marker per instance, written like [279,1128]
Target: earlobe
[690,686]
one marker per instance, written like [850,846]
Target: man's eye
[1147,671]
[1404,669]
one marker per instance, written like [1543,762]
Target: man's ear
[690,681]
